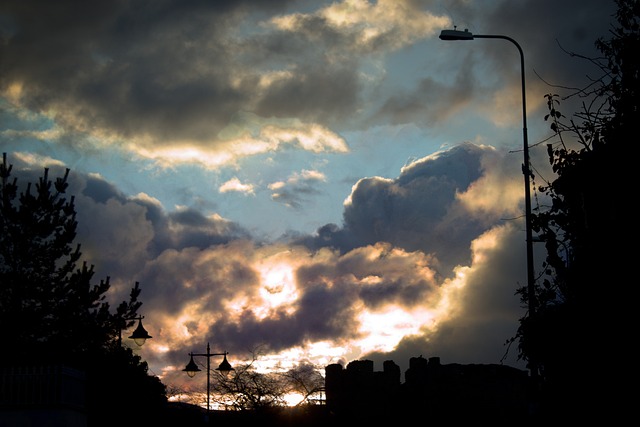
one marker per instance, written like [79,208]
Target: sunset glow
[278,289]
[296,183]
[383,330]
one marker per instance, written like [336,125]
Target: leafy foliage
[588,217]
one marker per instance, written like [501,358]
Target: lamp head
[225,367]
[191,369]
[456,35]
[140,335]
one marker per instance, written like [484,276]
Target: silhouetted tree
[305,380]
[51,313]
[261,397]
[582,298]
[247,389]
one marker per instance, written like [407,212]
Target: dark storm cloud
[100,190]
[321,92]
[179,71]
[483,331]
[392,284]
[99,65]
[545,27]
[120,233]
[419,210]
[199,279]
[196,230]
[297,189]
[548,32]
[171,71]
[175,70]
[431,101]
[322,314]
[208,273]
[179,278]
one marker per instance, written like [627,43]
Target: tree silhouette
[581,303]
[51,313]
[248,390]
[261,397]
[305,380]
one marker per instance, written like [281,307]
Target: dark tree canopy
[47,301]
[582,307]
[51,313]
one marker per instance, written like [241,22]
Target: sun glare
[292,399]
[277,288]
[383,330]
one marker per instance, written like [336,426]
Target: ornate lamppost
[191,369]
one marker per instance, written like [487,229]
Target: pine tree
[52,314]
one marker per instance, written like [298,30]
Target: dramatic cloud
[318,181]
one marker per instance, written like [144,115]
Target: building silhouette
[473,392]
[485,394]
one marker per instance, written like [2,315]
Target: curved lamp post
[531,296]
[191,369]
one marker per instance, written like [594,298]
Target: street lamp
[191,369]
[466,35]
[139,335]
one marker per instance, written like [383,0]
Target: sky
[302,181]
